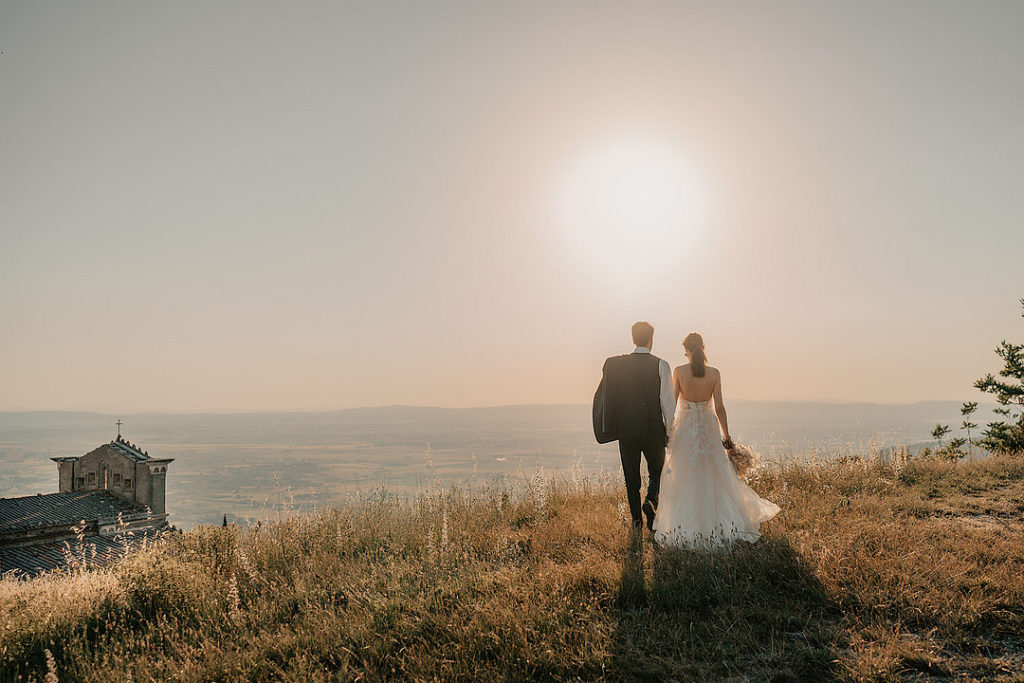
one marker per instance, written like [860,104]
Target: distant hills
[788,416]
[811,414]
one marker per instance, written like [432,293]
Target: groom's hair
[643,334]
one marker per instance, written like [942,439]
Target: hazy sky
[235,206]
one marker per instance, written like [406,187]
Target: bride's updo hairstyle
[694,343]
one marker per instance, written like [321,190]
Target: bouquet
[743,458]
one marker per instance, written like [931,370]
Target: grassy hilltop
[872,571]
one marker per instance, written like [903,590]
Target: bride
[703,501]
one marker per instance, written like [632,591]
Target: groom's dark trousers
[632,387]
[653,450]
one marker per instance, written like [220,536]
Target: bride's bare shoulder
[712,371]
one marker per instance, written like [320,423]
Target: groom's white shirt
[668,393]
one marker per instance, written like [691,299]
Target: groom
[634,404]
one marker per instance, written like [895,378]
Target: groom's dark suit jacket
[627,404]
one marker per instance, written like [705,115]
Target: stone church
[109,499]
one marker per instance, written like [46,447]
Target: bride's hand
[727,443]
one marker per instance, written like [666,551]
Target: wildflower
[624,513]
[431,548]
[243,561]
[234,600]
[51,668]
[431,470]
[444,526]
[540,492]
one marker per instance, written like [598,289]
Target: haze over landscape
[254,207]
[268,465]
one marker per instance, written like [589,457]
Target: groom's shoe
[649,514]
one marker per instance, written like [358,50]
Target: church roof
[32,560]
[59,509]
[129,449]
[123,447]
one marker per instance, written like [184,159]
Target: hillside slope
[873,571]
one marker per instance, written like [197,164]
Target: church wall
[65,474]
[144,496]
[157,484]
[120,471]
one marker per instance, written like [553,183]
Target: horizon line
[282,411]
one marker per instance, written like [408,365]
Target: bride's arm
[675,382]
[723,419]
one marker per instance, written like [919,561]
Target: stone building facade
[120,467]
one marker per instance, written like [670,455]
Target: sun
[629,205]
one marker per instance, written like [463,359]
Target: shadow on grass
[753,612]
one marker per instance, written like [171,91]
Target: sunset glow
[228,209]
[623,196]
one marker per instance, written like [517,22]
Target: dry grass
[873,571]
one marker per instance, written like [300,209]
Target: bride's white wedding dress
[703,501]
